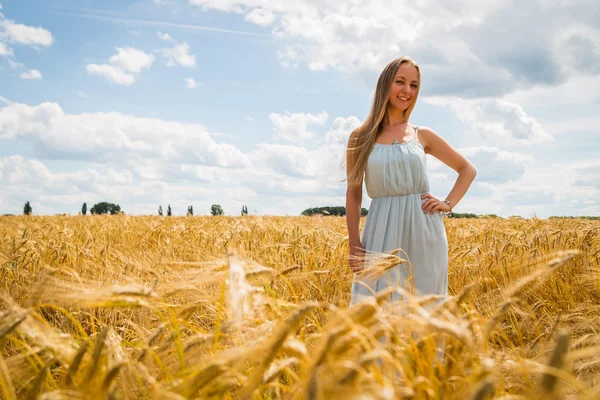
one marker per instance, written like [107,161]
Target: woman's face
[404,87]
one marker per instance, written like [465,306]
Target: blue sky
[196,102]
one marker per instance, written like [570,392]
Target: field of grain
[257,308]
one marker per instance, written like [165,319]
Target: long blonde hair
[362,139]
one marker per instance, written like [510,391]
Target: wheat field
[255,307]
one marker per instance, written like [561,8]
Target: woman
[389,153]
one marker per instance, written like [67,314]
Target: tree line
[105,207]
[113,209]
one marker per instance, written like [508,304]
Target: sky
[250,102]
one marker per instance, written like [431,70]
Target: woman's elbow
[353,193]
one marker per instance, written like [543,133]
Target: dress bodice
[396,169]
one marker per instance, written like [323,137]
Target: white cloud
[131,59]
[14,64]
[123,66]
[179,54]
[164,36]
[111,73]
[27,35]
[463,50]
[260,16]
[495,119]
[342,127]
[5,100]
[190,83]
[293,127]
[114,137]
[4,50]
[497,166]
[170,157]
[31,74]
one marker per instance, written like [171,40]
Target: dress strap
[416,133]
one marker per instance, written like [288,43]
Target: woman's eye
[415,86]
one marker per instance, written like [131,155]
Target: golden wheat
[257,307]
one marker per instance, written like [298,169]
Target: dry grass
[222,307]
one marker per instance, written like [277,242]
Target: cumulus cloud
[294,127]
[131,59]
[467,54]
[495,119]
[27,35]
[14,64]
[123,65]
[4,50]
[113,137]
[20,34]
[190,83]
[164,155]
[31,74]
[164,36]
[179,54]
[497,166]
[579,48]
[111,73]
[260,16]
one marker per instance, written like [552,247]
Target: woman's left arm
[435,145]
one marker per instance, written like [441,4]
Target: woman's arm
[353,208]
[353,213]
[435,145]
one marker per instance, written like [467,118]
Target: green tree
[84,209]
[190,210]
[216,209]
[244,210]
[169,213]
[332,210]
[27,210]
[463,215]
[105,208]
[160,212]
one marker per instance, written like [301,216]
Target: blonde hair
[362,139]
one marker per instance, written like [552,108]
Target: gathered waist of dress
[399,195]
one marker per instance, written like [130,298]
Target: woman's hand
[356,258]
[432,204]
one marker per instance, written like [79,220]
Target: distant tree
[27,210]
[332,210]
[190,210]
[169,213]
[244,210]
[160,212]
[84,209]
[216,209]
[590,217]
[105,208]
[463,215]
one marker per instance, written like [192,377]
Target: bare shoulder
[428,137]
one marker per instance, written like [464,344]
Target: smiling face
[405,87]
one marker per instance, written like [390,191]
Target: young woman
[389,153]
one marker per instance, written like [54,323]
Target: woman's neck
[394,117]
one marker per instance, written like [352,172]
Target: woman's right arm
[353,207]
[353,214]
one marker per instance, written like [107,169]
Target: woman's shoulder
[426,129]
[427,135]
[426,132]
